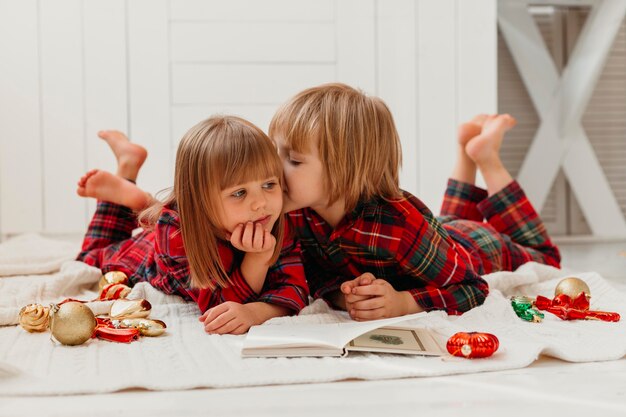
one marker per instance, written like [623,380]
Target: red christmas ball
[472,344]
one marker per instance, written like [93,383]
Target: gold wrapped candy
[129,309]
[72,323]
[572,287]
[114,292]
[146,327]
[34,318]
[113,277]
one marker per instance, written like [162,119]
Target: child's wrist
[410,305]
[260,257]
[262,311]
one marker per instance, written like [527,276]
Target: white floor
[547,387]
[607,258]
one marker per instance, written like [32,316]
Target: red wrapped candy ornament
[472,344]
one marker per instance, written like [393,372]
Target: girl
[376,250]
[217,239]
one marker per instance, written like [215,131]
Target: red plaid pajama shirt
[439,261]
[159,258]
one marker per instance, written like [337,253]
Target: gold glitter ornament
[113,277]
[572,287]
[71,323]
[34,318]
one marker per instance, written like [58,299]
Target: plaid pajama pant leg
[510,212]
[461,200]
[110,226]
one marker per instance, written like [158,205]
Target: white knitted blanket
[185,357]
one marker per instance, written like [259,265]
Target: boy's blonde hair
[217,153]
[356,138]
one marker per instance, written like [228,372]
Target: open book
[337,339]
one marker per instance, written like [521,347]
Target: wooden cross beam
[560,102]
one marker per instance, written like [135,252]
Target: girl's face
[254,201]
[303,173]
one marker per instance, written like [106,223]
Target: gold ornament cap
[72,323]
[34,318]
[113,277]
[572,287]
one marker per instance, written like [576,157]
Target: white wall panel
[356,44]
[106,99]
[153,68]
[253,10]
[150,90]
[253,41]
[244,84]
[184,117]
[436,96]
[477,66]
[397,81]
[21,199]
[62,114]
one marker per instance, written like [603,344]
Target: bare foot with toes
[105,186]
[471,129]
[485,148]
[130,156]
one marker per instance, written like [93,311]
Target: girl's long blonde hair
[357,140]
[217,153]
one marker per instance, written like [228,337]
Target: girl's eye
[239,193]
[270,185]
[294,162]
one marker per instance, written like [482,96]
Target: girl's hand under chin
[252,238]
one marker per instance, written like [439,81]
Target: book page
[403,340]
[328,335]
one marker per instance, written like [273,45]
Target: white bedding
[185,357]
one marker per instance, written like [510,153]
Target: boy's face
[303,173]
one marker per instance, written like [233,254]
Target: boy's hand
[252,238]
[380,300]
[228,318]
[347,289]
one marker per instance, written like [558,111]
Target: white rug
[185,357]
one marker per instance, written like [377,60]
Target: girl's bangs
[256,160]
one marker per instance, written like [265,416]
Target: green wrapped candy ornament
[524,308]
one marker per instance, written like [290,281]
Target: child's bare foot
[470,129]
[130,156]
[484,149]
[465,168]
[105,186]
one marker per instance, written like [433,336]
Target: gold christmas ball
[34,318]
[572,287]
[113,277]
[72,323]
